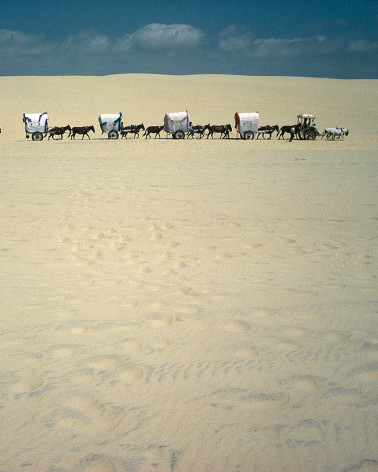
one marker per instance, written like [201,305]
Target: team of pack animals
[223,130]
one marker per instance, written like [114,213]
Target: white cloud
[277,47]
[17,43]
[244,45]
[236,44]
[361,45]
[159,36]
[86,42]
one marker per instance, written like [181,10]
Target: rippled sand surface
[198,305]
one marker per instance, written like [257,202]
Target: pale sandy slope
[188,305]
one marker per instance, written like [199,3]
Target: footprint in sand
[367,372]
[171,245]
[253,246]
[158,304]
[336,336]
[258,400]
[184,290]
[87,405]
[64,352]
[124,239]
[296,332]
[167,226]
[157,288]
[266,400]
[28,385]
[287,240]
[247,352]
[162,321]
[82,261]
[116,246]
[98,463]
[263,312]
[105,363]
[156,236]
[131,375]
[161,343]
[223,257]
[237,325]
[188,309]
[305,382]
[99,236]
[132,345]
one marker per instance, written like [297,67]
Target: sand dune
[203,305]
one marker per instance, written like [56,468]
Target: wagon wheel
[113,134]
[249,135]
[302,133]
[37,136]
[179,135]
[310,134]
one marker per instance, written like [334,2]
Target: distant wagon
[177,124]
[36,125]
[307,127]
[111,124]
[247,124]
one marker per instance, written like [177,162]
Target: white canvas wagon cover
[36,122]
[176,122]
[110,122]
[247,122]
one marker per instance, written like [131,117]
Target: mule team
[223,130]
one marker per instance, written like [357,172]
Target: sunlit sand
[188,305]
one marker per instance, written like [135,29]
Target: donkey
[196,129]
[152,129]
[58,131]
[133,129]
[224,130]
[263,130]
[81,130]
[287,129]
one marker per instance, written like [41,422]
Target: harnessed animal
[81,130]
[133,129]
[196,129]
[263,130]
[224,130]
[58,131]
[287,129]
[335,133]
[153,129]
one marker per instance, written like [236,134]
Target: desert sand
[193,305]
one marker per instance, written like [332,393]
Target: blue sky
[335,39]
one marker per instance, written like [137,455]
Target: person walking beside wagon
[292,133]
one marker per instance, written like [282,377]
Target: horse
[263,130]
[81,130]
[335,133]
[134,129]
[153,129]
[196,129]
[224,130]
[287,129]
[58,131]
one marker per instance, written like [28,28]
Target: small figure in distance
[190,129]
[292,133]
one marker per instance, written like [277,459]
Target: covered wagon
[111,124]
[177,124]
[247,124]
[36,125]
